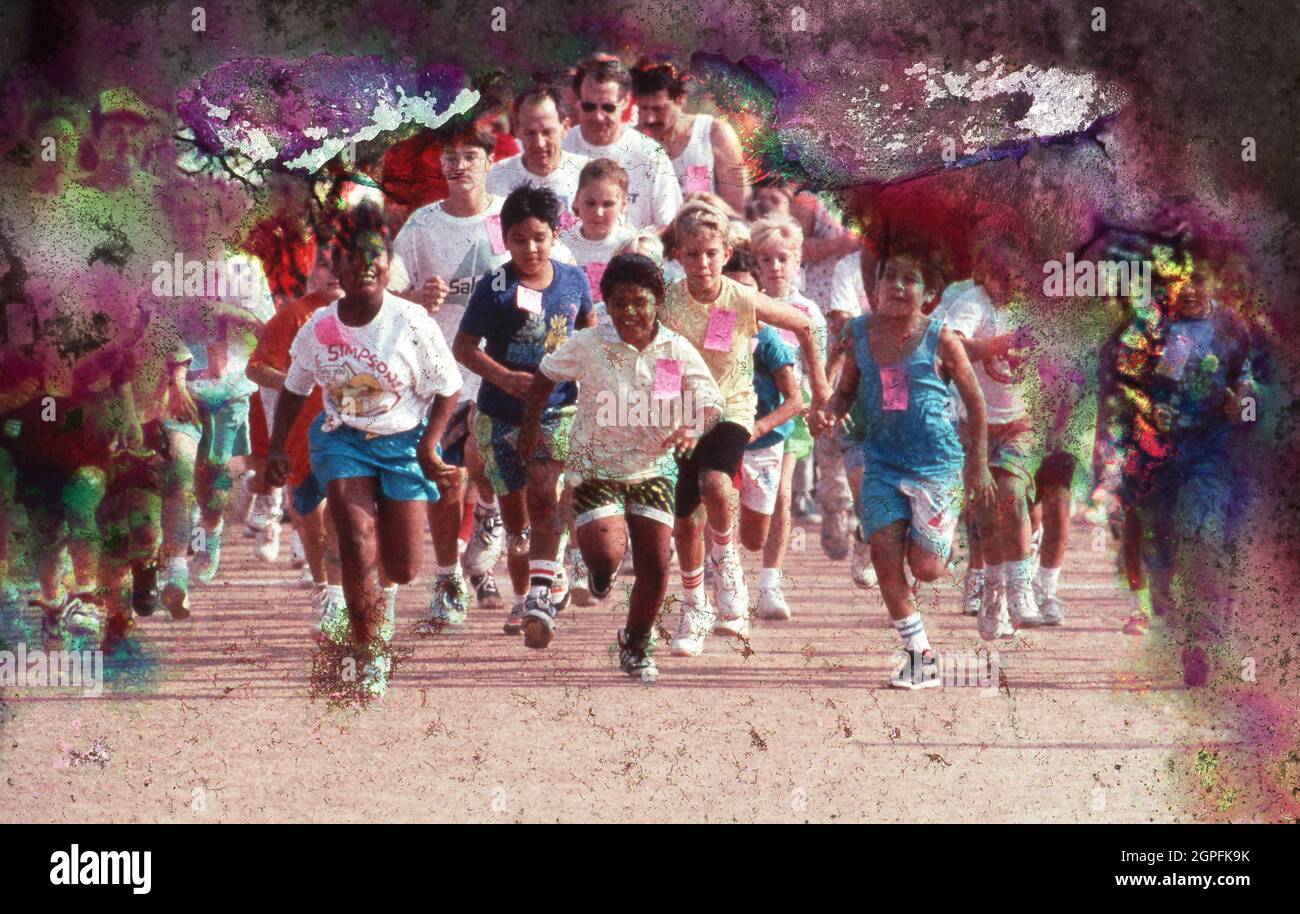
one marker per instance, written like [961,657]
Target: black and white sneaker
[597,591]
[485,590]
[539,620]
[634,656]
[918,670]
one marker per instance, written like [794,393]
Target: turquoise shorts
[224,432]
[347,453]
[930,505]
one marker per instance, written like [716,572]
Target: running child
[601,205]
[994,339]
[440,254]
[626,462]
[269,366]
[521,312]
[912,481]
[719,316]
[390,386]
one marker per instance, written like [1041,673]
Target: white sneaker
[730,592]
[263,514]
[1049,606]
[692,629]
[484,546]
[994,621]
[1021,606]
[772,604]
[268,543]
[972,592]
[864,573]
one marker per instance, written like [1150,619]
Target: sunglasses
[607,107]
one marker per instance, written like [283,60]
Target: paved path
[476,727]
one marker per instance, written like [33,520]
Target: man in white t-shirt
[440,254]
[603,87]
[538,120]
[704,150]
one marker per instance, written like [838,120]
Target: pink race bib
[494,234]
[595,270]
[668,378]
[893,387]
[722,326]
[566,219]
[698,180]
[527,299]
[788,337]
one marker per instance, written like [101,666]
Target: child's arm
[822,421]
[466,351]
[445,476]
[770,311]
[791,403]
[287,407]
[530,426]
[979,481]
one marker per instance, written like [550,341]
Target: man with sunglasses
[603,87]
[704,150]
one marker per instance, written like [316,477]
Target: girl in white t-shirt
[390,385]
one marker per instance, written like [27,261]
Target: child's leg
[444,524]
[603,542]
[311,530]
[651,541]
[514,517]
[543,499]
[178,495]
[353,505]
[81,499]
[888,546]
[778,535]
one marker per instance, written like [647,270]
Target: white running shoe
[864,573]
[1049,606]
[268,543]
[1021,606]
[730,592]
[264,513]
[993,619]
[772,604]
[972,591]
[692,629]
[484,546]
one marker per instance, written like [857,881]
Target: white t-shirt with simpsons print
[380,378]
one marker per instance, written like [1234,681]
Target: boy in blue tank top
[913,460]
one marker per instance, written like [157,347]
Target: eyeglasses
[464,159]
[607,107]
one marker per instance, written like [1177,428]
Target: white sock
[693,587]
[177,565]
[448,571]
[520,597]
[489,506]
[721,544]
[334,590]
[1048,578]
[995,575]
[1018,573]
[912,631]
[769,578]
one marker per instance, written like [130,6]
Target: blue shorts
[930,505]
[348,453]
[224,432]
[308,495]
[497,439]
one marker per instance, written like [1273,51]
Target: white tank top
[694,166]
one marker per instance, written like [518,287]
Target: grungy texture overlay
[129,137]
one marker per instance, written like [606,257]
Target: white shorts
[760,478]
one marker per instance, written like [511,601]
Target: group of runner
[611,348]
